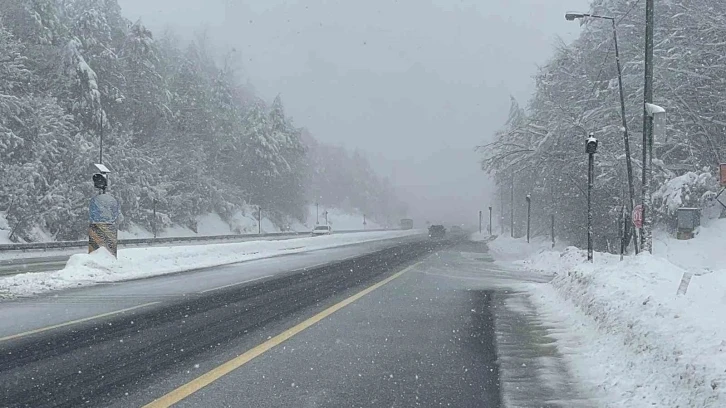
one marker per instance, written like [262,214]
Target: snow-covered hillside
[210,224]
[340,220]
[243,222]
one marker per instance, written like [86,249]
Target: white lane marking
[85,319]
[236,283]
[316,266]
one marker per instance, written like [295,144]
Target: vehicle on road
[322,230]
[406,224]
[437,231]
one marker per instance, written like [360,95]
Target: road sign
[638,216]
[103,235]
[104,208]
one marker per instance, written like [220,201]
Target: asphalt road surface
[409,322]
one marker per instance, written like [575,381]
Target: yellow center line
[236,283]
[72,322]
[216,373]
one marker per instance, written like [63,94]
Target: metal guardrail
[165,240]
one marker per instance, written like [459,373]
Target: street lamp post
[259,220]
[100,133]
[656,128]
[511,209]
[626,139]
[529,212]
[501,211]
[590,149]
[154,219]
[647,99]
[317,214]
[490,220]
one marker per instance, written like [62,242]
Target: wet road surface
[415,323]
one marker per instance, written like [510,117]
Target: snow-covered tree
[576,92]
[180,129]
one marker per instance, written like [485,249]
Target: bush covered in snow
[696,190]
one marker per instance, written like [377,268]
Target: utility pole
[317,214]
[647,99]
[626,138]
[621,232]
[501,209]
[259,220]
[100,133]
[154,224]
[490,220]
[529,207]
[511,210]
[590,149]
[656,117]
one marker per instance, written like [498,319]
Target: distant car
[437,231]
[322,230]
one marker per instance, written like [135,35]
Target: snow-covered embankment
[626,329]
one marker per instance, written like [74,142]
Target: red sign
[638,216]
[722,173]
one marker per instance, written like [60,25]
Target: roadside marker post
[103,211]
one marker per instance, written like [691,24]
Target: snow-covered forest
[179,126]
[541,149]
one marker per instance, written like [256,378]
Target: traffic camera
[100,179]
[591,145]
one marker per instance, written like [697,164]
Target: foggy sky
[416,84]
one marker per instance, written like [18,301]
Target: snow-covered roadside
[133,263]
[624,328]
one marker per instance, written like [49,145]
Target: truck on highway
[406,224]
[437,231]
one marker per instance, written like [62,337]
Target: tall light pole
[317,214]
[100,133]
[511,210]
[656,127]
[501,210]
[259,220]
[647,99]
[590,149]
[490,220]
[626,139]
[529,212]
[154,220]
